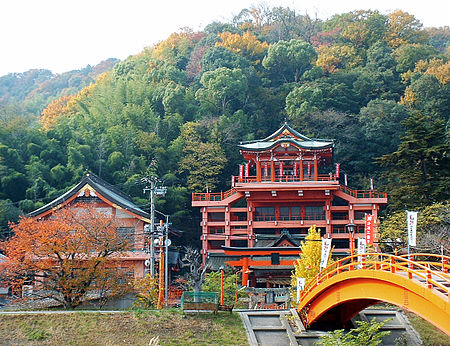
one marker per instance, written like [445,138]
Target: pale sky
[62,35]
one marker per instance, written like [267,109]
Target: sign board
[369,225]
[411,223]
[361,248]
[300,287]
[326,248]
[160,191]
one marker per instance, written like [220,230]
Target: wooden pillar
[272,170]
[316,173]
[258,171]
[301,170]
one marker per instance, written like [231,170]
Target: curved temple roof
[286,134]
[107,191]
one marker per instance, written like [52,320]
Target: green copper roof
[286,134]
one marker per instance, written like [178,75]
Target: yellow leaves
[403,28]
[147,291]
[409,98]
[54,110]
[246,45]
[177,43]
[357,33]
[437,68]
[307,266]
[333,58]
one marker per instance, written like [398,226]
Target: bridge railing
[433,270]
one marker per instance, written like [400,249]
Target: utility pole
[154,191]
[166,276]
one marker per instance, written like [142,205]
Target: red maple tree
[74,252]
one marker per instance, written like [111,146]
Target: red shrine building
[282,189]
[110,201]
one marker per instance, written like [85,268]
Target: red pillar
[301,169]
[272,170]
[258,171]
[316,173]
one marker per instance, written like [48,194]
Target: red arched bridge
[419,283]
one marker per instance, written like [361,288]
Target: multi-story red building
[282,189]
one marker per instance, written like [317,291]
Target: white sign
[411,223]
[300,287]
[361,248]
[326,248]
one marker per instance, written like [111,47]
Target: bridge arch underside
[334,302]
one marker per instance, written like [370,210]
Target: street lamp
[351,230]
[221,284]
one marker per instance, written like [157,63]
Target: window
[216,244]
[216,216]
[284,213]
[127,234]
[239,243]
[339,229]
[238,216]
[339,215]
[216,230]
[361,214]
[314,213]
[264,214]
[295,213]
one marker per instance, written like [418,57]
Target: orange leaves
[54,110]
[67,253]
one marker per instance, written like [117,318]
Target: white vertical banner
[300,287]
[411,224]
[326,248]
[361,248]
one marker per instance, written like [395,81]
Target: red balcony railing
[284,179]
[217,196]
[362,193]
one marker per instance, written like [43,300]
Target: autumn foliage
[72,253]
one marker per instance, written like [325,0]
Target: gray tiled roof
[103,188]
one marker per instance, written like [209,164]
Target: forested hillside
[376,83]
[34,89]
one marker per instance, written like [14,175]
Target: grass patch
[130,328]
[430,335]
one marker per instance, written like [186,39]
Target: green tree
[407,55]
[222,87]
[287,61]
[433,228]
[419,170]
[366,334]
[212,284]
[202,161]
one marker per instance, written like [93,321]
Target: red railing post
[429,284]
[392,263]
